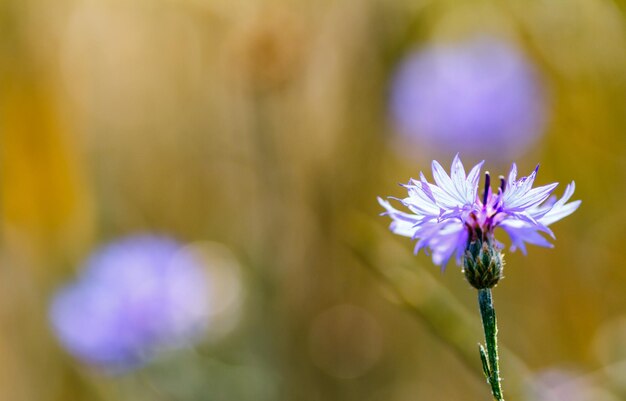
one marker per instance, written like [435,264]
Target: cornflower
[451,218]
[134,298]
[480,90]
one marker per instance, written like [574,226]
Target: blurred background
[258,134]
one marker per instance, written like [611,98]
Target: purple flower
[135,297]
[480,91]
[446,216]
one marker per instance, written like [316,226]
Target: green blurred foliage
[262,125]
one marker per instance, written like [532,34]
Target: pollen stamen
[487,184]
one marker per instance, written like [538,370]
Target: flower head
[449,215]
[135,297]
[480,90]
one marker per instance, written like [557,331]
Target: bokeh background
[259,133]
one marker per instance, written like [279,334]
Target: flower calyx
[483,262]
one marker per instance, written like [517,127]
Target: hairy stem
[490,360]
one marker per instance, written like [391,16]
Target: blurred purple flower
[557,384]
[135,297]
[446,216]
[482,97]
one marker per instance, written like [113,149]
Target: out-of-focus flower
[446,217]
[563,385]
[136,296]
[482,96]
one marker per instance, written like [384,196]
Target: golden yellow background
[263,126]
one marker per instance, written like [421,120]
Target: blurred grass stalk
[414,288]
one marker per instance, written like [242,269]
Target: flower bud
[482,263]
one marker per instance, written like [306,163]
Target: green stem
[490,361]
